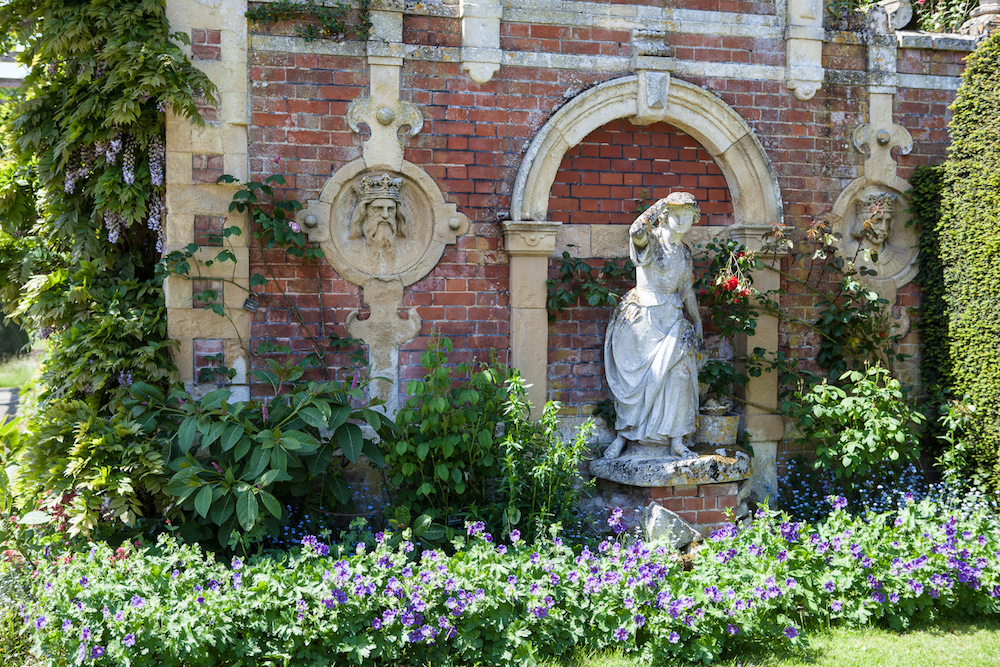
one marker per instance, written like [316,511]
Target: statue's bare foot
[678,448]
[614,450]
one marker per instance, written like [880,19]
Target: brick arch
[601,179]
[703,116]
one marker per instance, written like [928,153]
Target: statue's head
[874,218]
[378,216]
[680,212]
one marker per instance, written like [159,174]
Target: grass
[16,371]
[946,644]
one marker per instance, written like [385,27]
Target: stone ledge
[711,467]
[938,41]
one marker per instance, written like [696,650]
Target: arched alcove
[690,108]
[645,98]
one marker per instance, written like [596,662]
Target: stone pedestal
[699,490]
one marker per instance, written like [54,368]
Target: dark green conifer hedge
[969,233]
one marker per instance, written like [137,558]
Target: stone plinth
[699,490]
[712,466]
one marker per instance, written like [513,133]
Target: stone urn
[716,427]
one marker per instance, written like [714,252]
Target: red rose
[731,284]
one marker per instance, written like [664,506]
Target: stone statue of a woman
[652,352]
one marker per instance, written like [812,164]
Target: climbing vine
[81,231]
[318,20]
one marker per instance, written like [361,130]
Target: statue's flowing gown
[650,352]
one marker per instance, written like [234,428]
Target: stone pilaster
[192,192]
[530,244]
[804,37]
[763,425]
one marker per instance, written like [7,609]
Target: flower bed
[377,601]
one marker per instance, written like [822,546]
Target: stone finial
[983,20]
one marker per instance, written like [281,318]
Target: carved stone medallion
[871,221]
[382,229]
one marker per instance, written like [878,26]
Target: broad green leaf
[279,459]
[372,417]
[34,518]
[222,511]
[246,510]
[259,460]
[338,488]
[371,450]
[351,440]
[214,431]
[318,463]
[203,501]
[231,435]
[338,415]
[147,391]
[186,433]
[422,523]
[271,504]
[214,399]
[311,415]
[242,447]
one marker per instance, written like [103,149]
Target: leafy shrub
[541,472]
[969,233]
[856,426]
[943,15]
[375,600]
[445,460]
[80,450]
[239,465]
[81,213]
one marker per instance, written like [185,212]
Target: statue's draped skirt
[651,365]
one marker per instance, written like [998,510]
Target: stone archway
[644,98]
[690,108]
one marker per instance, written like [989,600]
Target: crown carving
[883,202]
[385,187]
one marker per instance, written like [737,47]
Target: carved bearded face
[881,222]
[380,222]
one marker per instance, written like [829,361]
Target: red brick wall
[601,180]
[473,140]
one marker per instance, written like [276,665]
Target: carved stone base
[711,466]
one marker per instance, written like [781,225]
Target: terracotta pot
[717,429]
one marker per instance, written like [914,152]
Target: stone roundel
[426,223]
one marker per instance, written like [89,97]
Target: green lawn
[15,371]
[945,645]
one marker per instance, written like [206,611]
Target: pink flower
[277,159]
[294,226]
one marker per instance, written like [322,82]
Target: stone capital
[755,238]
[536,239]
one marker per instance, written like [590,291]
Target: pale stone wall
[196,156]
